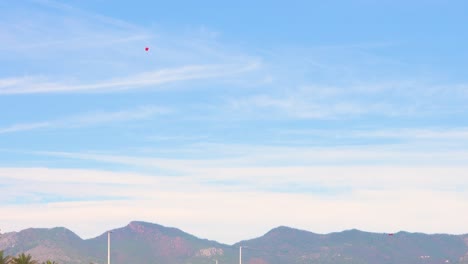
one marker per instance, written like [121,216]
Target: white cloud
[297,105]
[86,14]
[77,45]
[24,127]
[27,27]
[90,119]
[381,199]
[143,112]
[335,170]
[451,134]
[350,100]
[448,135]
[8,82]
[154,78]
[231,155]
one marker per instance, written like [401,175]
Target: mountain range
[148,243]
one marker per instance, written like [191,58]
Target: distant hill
[141,242]
[288,245]
[57,243]
[138,242]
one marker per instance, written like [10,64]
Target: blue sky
[354,109]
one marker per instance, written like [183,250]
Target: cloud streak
[90,119]
[348,101]
[230,157]
[24,127]
[154,78]
[457,135]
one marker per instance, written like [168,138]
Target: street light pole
[240,254]
[108,247]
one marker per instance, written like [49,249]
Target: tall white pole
[240,255]
[108,247]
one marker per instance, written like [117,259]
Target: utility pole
[240,254]
[108,247]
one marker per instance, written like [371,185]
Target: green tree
[23,259]
[4,259]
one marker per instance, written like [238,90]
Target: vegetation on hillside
[21,259]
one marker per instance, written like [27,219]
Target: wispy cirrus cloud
[345,101]
[66,7]
[24,127]
[30,85]
[98,48]
[405,153]
[293,106]
[89,119]
[74,28]
[448,135]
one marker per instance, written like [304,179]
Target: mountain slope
[138,242]
[59,244]
[141,242]
[287,245]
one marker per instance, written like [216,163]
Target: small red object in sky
[146,48]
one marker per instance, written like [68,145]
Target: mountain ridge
[145,242]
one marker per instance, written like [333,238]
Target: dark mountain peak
[140,227]
[49,233]
[281,229]
[64,233]
[140,241]
[353,230]
[280,235]
[43,243]
[145,224]
[61,230]
[286,230]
